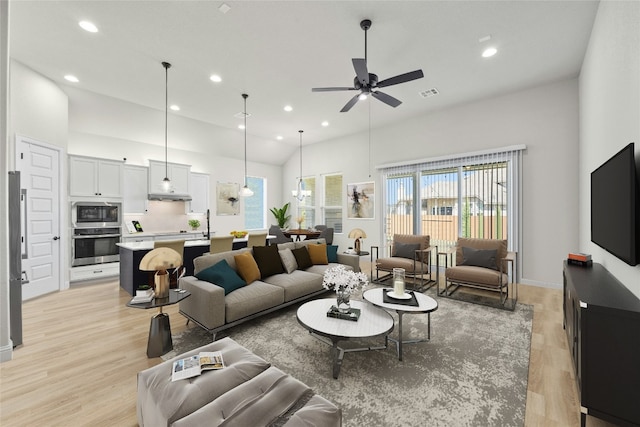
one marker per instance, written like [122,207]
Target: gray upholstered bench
[248,391]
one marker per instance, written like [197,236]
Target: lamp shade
[357,233]
[160,259]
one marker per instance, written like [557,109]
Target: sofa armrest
[351,260]
[206,303]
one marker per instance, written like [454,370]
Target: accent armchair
[408,251]
[484,264]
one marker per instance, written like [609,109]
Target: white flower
[338,278]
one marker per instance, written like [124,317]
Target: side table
[160,329]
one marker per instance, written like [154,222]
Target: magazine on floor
[194,365]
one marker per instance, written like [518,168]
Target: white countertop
[148,244]
[163,233]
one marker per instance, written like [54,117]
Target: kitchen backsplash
[164,216]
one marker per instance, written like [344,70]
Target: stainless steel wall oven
[95,245]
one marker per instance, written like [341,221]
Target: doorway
[39,166]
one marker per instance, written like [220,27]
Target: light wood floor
[83,347]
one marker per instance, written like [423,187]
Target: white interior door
[39,168]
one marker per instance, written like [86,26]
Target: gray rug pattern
[473,371]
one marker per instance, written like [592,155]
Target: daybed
[270,277]
[248,391]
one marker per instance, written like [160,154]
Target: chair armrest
[206,303]
[351,260]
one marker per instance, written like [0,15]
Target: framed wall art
[361,200]
[227,198]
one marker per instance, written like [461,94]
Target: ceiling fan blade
[330,89]
[387,99]
[401,78]
[360,65]
[350,104]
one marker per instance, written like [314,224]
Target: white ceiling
[276,51]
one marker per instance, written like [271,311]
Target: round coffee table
[373,322]
[425,305]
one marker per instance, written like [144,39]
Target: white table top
[425,304]
[148,244]
[372,322]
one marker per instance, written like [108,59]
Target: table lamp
[357,234]
[160,260]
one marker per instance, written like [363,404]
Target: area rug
[473,371]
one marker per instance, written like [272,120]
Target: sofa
[247,391]
[284,276]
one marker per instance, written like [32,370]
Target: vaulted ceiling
[276,51]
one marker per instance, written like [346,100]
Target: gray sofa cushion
[252,299]
[297,284]
[162,401]
[317,412]
[202,262]
[255,403]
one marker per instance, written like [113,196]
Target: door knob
[56,237]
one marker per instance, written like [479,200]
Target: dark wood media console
[602,322]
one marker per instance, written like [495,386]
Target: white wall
[544,118]
[106,127]
[609,112]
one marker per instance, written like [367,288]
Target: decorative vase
[343,302]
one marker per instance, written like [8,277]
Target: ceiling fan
[367,82]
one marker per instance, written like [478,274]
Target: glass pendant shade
[246,192]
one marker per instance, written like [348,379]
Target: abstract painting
[227,198]
[361,200]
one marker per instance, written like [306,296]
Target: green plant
[281,215]
[144,287]
[194,223]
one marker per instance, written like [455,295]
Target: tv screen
[614,206]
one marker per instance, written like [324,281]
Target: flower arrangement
[340,279]
[238,234]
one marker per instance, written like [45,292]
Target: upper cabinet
[135,189]
[93,177]
[199,194]
[179,174]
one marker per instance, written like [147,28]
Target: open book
[194,365]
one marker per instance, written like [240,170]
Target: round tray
[391,294]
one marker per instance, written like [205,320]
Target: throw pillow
[302,257]
[318,254]
[268,260]
[405,250]
[247,267]
[288,260]
[332,253]
[223,275]
[479,257]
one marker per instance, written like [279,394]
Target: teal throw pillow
[223,275]
[332,253]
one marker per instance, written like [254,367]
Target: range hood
[170,197]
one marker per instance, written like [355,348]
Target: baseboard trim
[541,284]
[6,352]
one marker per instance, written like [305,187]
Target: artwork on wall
[227,198]
[361,200]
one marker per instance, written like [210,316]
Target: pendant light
[245,191]
[300,189]
[166,182]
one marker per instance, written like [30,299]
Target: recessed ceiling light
[175,107]
[362,96]
[71,78]
[279,138]
[325,123]
[240,126]
[489,52]
[288,108]
[215,78]
[88,26]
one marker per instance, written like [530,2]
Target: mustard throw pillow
[247,267]
[318,254]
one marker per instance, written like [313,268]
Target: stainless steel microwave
[96,214]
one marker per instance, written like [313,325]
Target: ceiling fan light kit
[367,83]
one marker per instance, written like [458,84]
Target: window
[307,207]
[254,206]
[332,206]
[471,196]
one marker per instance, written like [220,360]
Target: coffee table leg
[159,336]
[337,354]
[400,313]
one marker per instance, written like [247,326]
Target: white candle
[398,287]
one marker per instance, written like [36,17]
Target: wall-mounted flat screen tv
[614,206]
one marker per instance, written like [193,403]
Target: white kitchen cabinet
[93,272]
[179,174]
[135,189]
[130,238]
[199,194]
[93,177]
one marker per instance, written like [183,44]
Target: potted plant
[281,215]
[194,223]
